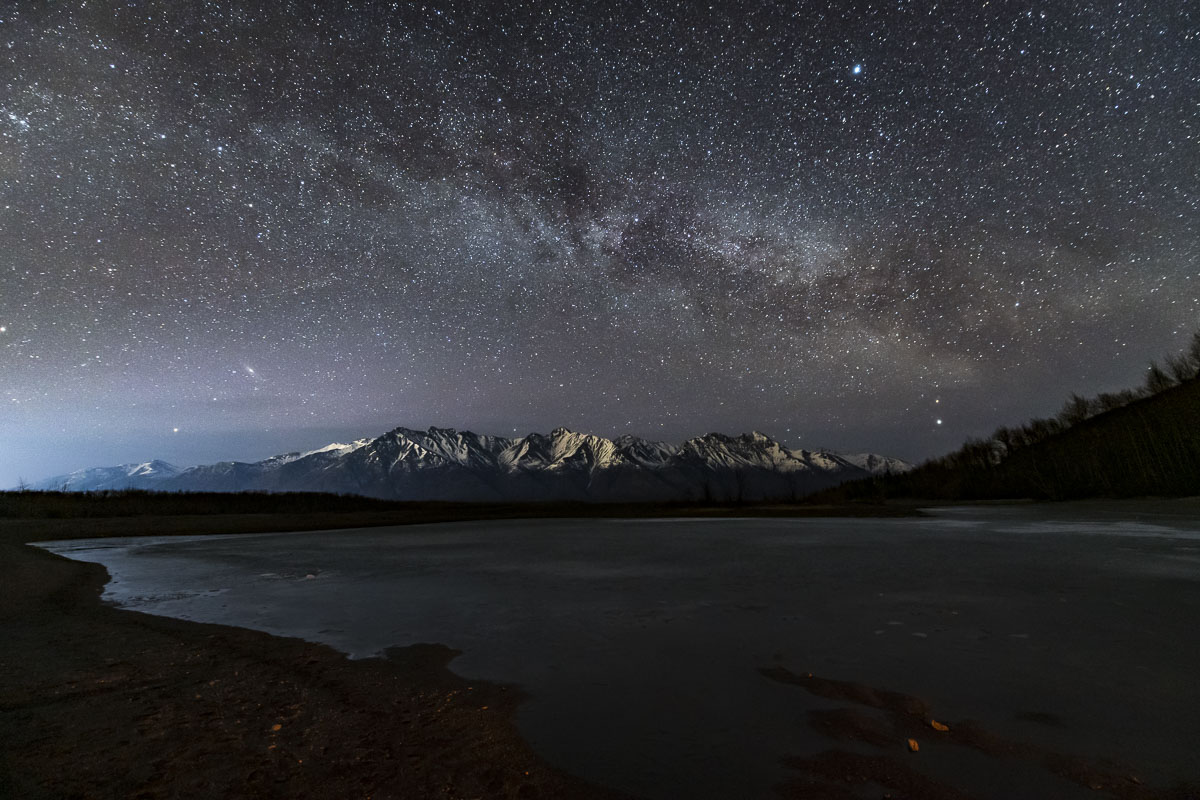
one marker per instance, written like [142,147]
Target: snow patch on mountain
[876,464]
[123,476]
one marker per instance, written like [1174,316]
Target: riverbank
[99,702]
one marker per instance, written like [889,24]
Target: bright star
[857,69]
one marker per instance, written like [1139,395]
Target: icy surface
[640,641]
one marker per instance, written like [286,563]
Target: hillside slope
[1149,447]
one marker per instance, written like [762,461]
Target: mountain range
[445,464]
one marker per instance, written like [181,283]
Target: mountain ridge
[448,464]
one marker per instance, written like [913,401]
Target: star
[712,233]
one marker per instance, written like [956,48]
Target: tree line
[1141,441]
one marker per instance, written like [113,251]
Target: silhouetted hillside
[1133,443]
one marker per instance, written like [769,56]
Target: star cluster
[230,228]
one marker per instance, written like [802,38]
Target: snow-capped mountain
[445,464]
[877,465]
[125,476]
[239,476]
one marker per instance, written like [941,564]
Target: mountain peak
[564,465]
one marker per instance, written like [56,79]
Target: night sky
[234,229]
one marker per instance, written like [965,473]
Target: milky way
[229,229]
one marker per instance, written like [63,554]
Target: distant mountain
[878,465]
[126,476]
[445,464]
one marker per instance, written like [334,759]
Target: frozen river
[640,642]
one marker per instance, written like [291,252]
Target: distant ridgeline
[442,464]
[1133,443]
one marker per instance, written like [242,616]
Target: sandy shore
[99,702]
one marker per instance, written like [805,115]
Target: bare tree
[1075,411]
[1180,367]
[1157,380]
[1193,353]
[1004,437]
[1109,401]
